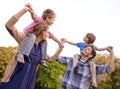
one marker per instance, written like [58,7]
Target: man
[80,79]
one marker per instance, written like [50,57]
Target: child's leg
[93,73]
[75,61]
[44,53]
[26,47]
[44,49]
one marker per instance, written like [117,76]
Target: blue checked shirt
[81,79]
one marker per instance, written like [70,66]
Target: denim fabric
[27,45]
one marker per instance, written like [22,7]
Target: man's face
[87,52]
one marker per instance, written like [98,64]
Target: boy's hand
[63,39]
[110,49]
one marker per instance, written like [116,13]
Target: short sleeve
[95,47]
[64,60]
[90,60]
[38,19]
[102,69]
[51,35]
[79,44]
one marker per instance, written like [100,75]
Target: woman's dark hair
[39,28]
[48,13]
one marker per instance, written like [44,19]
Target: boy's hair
[48,13]
[91,38]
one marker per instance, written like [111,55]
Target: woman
[22,75]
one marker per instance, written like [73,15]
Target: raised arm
[10,25]
[110,66]
[32,11]
[57,53]
[111,59]
[53,37]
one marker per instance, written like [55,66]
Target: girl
[48,18]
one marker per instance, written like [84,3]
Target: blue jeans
[28,44]
[44,49]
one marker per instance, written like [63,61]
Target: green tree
[6,54]
[51,77]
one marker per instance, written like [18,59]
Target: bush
[5,56]
[51,77]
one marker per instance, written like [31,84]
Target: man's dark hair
[93,51]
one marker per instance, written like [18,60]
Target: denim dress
[24,75]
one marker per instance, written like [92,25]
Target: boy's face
[50,21]
[85,39]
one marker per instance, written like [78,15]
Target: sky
[74,19]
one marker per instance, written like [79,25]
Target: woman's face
[44,35]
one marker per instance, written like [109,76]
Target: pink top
[37,20]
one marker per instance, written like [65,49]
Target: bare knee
[76,56]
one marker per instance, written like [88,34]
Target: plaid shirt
[81,79]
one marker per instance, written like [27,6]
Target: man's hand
[110,49]
[30,8]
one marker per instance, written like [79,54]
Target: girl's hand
[30,8]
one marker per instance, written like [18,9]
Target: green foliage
[51,77]
[108,81]
[101,59]
[115,76]
[5,56]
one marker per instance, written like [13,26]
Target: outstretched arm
[69,42]
[102,49]
[57,40]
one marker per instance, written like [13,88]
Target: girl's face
[49,21]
